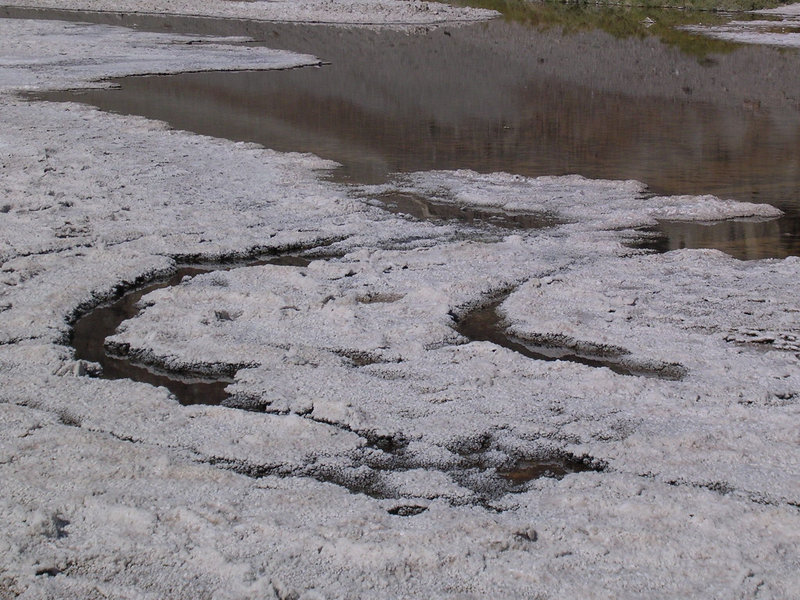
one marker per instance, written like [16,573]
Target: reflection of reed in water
[454,102]
[746,240]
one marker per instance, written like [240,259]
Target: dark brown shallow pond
[505,96]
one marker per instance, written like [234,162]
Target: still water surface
[499,97]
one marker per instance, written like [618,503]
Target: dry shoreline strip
[342,12]
[111,488]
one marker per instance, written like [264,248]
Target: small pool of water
[90,331]
[486,325]
[391,104]
[745,240]
[556,467]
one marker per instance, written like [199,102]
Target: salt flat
[371,405]
[360,12]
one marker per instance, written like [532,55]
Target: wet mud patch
[360,359]
[386,468]
[483,474]
[407,510]
[482,482]
[491,481]
[48,572]
[90,331]
[556,467]
[485,324]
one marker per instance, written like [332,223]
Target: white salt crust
[344,12]
[110,488]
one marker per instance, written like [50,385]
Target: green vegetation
[624,21]
[515,8]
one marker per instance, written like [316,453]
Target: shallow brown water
[387,115]
[680,112]
[486,324]
[747,240]
[556,467]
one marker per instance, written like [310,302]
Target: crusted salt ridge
[382,305]
[639,303]
[355,12]
[79,55]
[600,204]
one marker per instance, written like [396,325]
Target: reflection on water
[498,97]
[745,240]
[623,21]
[428,210]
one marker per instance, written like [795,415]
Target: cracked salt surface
[699,491]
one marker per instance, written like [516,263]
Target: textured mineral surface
[369,446]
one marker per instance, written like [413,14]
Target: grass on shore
[628,20]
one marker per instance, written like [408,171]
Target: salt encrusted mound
[658,304]
[601,204]
[375,306]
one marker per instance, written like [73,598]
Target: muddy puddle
[485,324]
[555,467]
[509,96]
